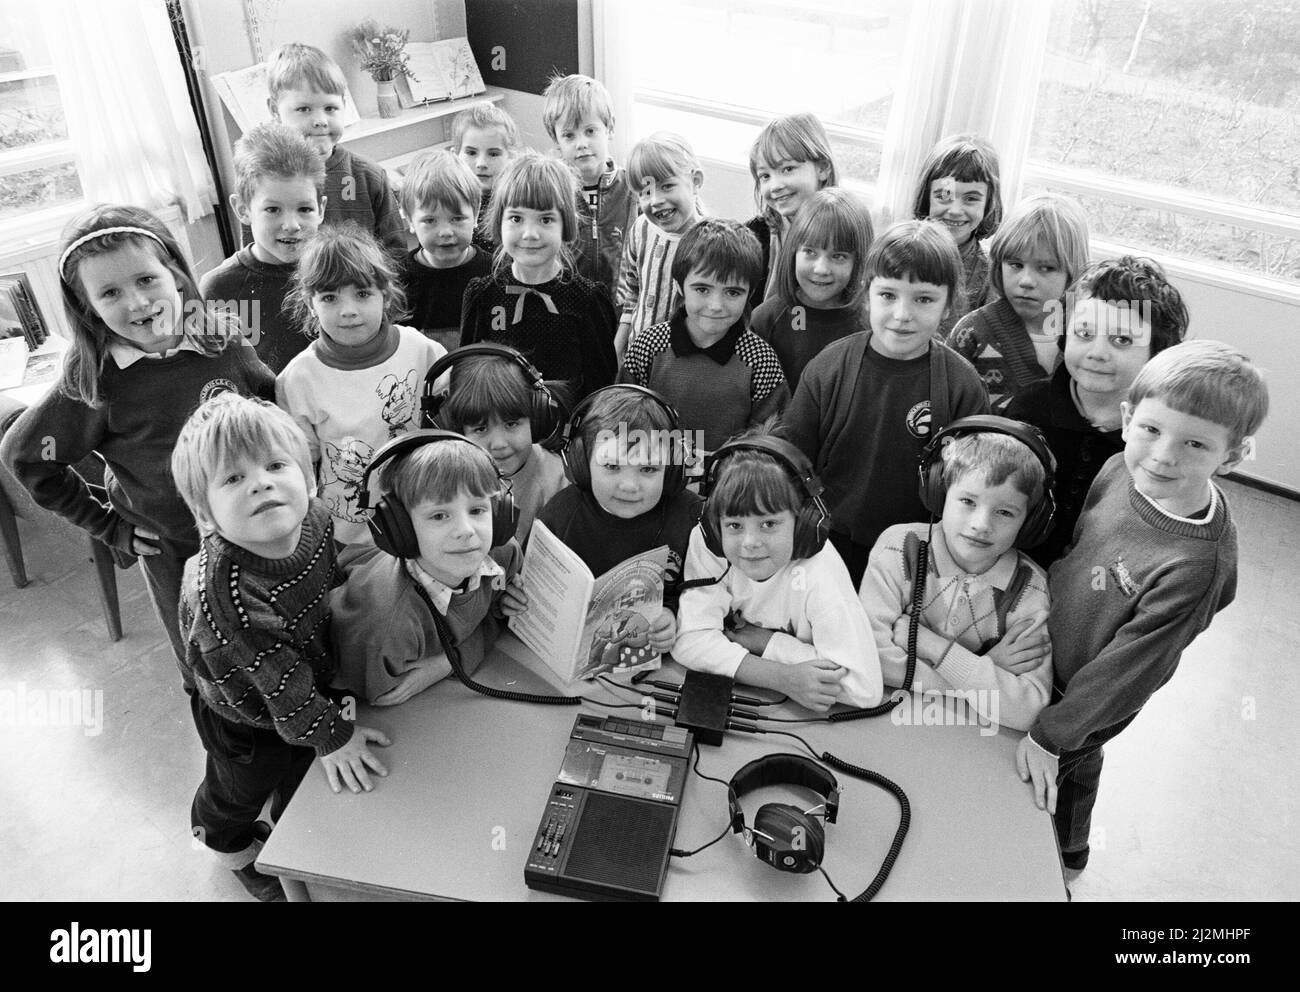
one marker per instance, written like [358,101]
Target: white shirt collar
[439,592]
[127,355]
[999,576]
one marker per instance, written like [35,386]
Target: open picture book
[582,625]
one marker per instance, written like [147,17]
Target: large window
[713,70]
[1175,123]
[37,167]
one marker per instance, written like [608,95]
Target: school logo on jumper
[214,387]
[1119,571]
[918,420]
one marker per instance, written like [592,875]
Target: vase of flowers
[381,52]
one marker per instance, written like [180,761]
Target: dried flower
[381,52]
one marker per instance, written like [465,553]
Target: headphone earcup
[505,518]
[1038,522]
[933,491]
[810,531]
[712,539]
[576,469]
[545,419]
[390,526]
[794,841]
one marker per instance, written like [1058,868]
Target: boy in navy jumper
[721,376]
[440,197]
[279,194]
[1154,558]
[306,92]
[256,618]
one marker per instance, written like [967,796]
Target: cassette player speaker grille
[621,842]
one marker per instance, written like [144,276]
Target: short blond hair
[440,178]
[297,66]
[570,99]
[1206,379]
[226,427]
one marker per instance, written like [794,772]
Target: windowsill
[17,233]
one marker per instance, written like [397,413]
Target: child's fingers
[1051,797]
[331,776]
[372,761]
[1022,760]
[371,735]
[357,770]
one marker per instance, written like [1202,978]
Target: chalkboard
[520,44]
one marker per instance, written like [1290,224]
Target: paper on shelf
[244,92]
[443,70]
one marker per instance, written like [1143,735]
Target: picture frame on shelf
[20,314]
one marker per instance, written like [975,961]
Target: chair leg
[13,546]
[106,570]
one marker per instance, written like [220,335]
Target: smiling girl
[960,191]
[820,290]
[790,161]
[1014,341]
[144,354]
[782,612]
[534,301]
[358,385]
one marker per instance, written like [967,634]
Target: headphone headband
[574,453]
[812,520]
[585,404]
[780,449]
[403,443]
[547,408]
[787,769]
[933,490]
[390,522]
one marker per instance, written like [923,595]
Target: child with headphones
[982,632]
[444,540]
[625,454]
[782,612]
[499,401]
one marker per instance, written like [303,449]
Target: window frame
[37,224]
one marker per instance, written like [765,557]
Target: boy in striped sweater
[255,616]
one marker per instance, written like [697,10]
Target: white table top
[469,777]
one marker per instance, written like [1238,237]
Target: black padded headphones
[812,522]
[577,459]
[390,522]
[546,414]
[1038,521]
[783,835]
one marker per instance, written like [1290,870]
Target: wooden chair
[91,469]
